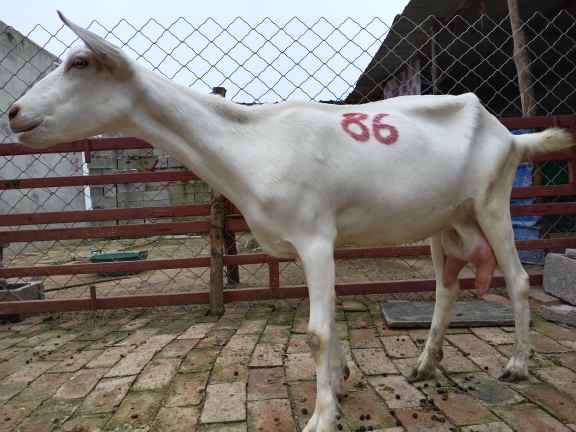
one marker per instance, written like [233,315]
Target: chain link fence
[267,62]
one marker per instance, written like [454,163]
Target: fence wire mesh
[269,61]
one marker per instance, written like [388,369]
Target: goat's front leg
[445,297]
[340,370]
[318,259]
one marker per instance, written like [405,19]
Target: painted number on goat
[354,124]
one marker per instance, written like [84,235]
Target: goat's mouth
[26,128]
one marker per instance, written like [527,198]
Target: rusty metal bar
[43,306]
[103,215]
[87,145]
[245,259]
[124,178]
[567,155]
[19,219]
[117,231]
[113,267]
[238,225]
[543,209]
[542,191]
[173,176]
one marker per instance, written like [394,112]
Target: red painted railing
[233,223]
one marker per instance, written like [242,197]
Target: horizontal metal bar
[155,300]
[103,215]
[539,122]
[234,224]
[247,259]
[92,180]
[173,176]
[543,191]
[117,231]
[350,253]
[113,267]
[543,209]
[565,155]
[86,145]
[391,252]
[559,243]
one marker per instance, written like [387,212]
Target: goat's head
[89,93]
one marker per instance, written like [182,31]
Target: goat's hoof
[515,371]
[311,425]
[318,424]
[514,376]
[422,374]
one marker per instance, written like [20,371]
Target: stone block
[539,295]
[560,277]
[564,314]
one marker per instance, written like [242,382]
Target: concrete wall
[141,194]
[22,63]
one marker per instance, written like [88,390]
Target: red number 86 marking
[349,119]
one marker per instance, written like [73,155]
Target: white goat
[309,177]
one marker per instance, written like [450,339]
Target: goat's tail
[550,140]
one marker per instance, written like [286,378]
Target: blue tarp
[526,227]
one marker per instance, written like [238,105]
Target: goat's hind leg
[445,297]
[495,220]
[340,370]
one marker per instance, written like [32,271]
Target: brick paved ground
[177,369]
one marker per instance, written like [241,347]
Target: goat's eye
[79,63]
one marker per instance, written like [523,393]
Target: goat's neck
[203,132]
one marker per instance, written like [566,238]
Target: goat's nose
[13,113]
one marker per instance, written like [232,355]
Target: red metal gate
[231,222]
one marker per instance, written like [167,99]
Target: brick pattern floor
[250,370]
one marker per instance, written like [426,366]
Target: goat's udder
[484,261]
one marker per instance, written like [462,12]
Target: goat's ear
[108,54]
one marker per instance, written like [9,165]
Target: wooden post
[521,60]
[3,282]
[232,271]
[217,255]
[433,55]
[217,246]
